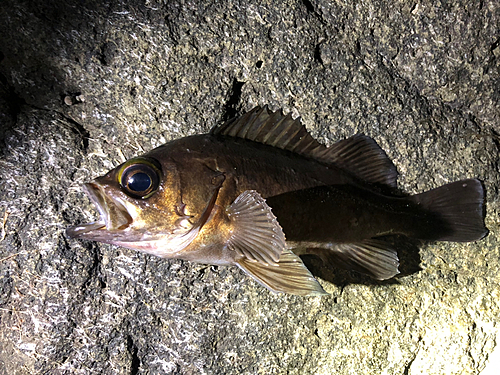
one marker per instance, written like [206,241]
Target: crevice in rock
[230,110]
[407,367]
[310,8]
[78,129]
[136,362]
[317,54]
[495,45]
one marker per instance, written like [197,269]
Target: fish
[258,191]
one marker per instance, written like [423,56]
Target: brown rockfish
[232,196]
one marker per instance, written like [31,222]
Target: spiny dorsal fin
[358,155]
[256,234]
[289,275]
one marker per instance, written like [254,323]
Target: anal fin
[289,275]
[372,257]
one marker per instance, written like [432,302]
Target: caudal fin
[459,206]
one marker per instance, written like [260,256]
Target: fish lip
[113,215]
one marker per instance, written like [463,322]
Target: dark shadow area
[39,38]
[29,73]
[10,108]
[136,362]
[27,66]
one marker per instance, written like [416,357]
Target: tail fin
[460,207]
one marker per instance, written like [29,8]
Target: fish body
[203,199]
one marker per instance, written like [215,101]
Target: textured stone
[86,85]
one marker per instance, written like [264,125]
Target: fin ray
[363,155]
[372,257]
[289,275]
[460,206]
[256,234]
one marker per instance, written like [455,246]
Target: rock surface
[86,85]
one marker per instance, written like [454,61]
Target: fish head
[140,208]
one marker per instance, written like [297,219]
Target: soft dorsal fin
[363,157]
[359,155]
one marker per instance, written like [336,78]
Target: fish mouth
[114,217]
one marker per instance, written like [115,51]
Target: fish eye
[140,177]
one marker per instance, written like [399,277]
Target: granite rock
[86,85]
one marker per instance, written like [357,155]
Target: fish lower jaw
[161,248]
[79,231]
[161,245]
[114,212]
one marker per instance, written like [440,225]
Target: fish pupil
[138,182]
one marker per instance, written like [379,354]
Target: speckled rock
[86,85]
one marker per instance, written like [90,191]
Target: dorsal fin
[363,157]
[359,155]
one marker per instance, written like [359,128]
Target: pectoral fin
[289,275]
[259,241]
[256,234]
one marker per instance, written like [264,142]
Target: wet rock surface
[84,86]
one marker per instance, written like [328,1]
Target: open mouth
[113,216]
